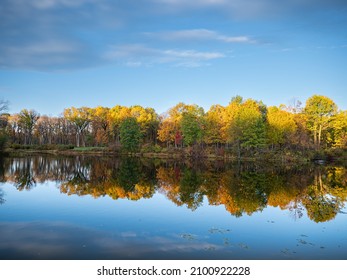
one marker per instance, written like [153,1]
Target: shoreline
[268,156]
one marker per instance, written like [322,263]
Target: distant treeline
[241,126]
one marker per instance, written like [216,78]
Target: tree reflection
[23,173]
[319,191]
[2,199]
[324,198]
[2,179]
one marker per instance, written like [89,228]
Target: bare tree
[3,106]
[28,119]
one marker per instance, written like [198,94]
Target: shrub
[150,148]
[3,141]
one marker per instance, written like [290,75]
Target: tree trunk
[319,135]
[239,150]
[77,139]
[315,138]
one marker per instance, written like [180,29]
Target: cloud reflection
[59,240]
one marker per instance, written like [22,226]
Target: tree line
[244,125]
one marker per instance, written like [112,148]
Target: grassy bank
[207,153]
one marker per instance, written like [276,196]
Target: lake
[85,207]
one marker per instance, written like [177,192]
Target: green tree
[170,128]
[319,109]
[130,134]
[247,130]
[192,128]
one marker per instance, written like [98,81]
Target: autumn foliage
[241,127]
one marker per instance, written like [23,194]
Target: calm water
[105,208]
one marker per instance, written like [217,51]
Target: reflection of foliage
[243,189]
[128,174]
[250,193]
[123,179]
[2,170]
[287,189]
[130,182]
[320,207]
[2,200]
[25,182]
[243,192]
[181,187]
[25,179]
[247,190]
[190,192]
[325,198]
[78,182]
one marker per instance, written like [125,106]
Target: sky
[55,54]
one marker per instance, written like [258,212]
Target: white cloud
[192,54]
[46,47]
[251,8]
[192,3]
[39,54]
[133,64]
[138,55]
[199,34]
[47,4]
[237,39]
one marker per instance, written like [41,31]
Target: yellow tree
[337,133]
[319,109]
[116,115]
[214,125]
[248,129]
[166,131]
[147,119]
[170,128]
[281,126]
[100,124]
[228,117]
[81,118]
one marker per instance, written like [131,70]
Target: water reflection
[320,191]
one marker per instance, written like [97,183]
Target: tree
[165,131]
[214,125]
[147,119]
[248,127]
[337,131]
[81,118]
[281,126]
[27,120]
[3,106]
[116,115]
[228,118]
[171,128]
[3,124]
[130,134]
[44,129]
[100,124]
[319,109]
[192,128]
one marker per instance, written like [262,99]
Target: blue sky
[60,53]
